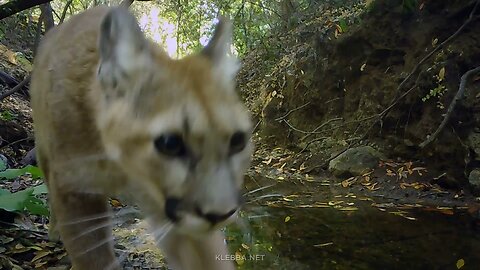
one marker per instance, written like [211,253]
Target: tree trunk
[47,16]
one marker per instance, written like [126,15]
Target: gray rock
[355,161]
[473,141]
[474,178]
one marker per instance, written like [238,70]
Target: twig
[291,111]
[294,128]
[332,100]
[16,88]
[236,13]
[15,142]
[64,12]
[256,126]
[458,96]
[315,130]
[424,59]
[264,7]
[310,142]
[127,3]
[394,103]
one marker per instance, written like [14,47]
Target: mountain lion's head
[176,127]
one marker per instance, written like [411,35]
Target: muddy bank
[327,86]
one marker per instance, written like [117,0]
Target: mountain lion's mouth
[195,219]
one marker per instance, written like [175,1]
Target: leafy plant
[435,92]
[439,90]
[10,174]
[24,200]
[343,25]
[7,115]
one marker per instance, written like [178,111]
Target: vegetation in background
[25,200]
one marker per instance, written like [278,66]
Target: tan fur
[95,140]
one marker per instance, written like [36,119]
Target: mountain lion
[114,114]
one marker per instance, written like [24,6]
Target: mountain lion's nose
[171,206]
[213,217]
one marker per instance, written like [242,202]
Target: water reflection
[327,238]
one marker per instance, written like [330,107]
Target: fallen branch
[16,88]
[13,7]
[15,142]
[8,79]
[291,111]
[458,96]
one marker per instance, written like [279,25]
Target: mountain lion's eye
[171,145]
[237,142]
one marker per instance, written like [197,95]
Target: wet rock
[29,159]
[355,161]
[474,180]
[3,163]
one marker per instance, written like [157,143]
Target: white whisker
[258,216]
[245,228]
[93,228]
[118,261]
[97,216]
[97,245]
[160,233]
[265,196]
[258,189]
[85,219]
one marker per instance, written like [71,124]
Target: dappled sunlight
[160,30]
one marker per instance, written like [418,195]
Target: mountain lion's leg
[89,243]
[186,253]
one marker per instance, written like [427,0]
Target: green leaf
[343,24]
[11,173]
[15,201]
[14,173]
[40,189]
[36,206]
[23,200]
[34,171]
[7,115]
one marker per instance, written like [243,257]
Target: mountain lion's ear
[122,46]
[218,50]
